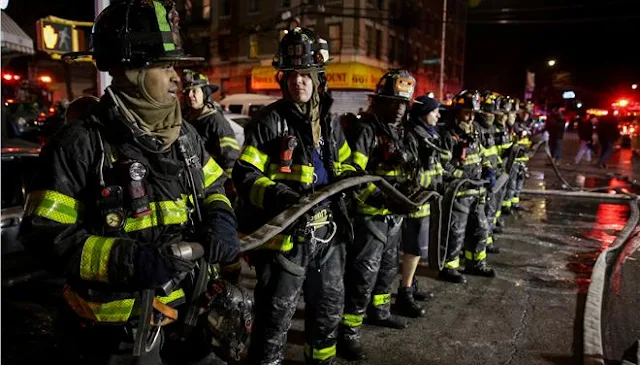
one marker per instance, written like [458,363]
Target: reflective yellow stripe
[94,261]
[229,142]
[489,240]
[424,211]
[320,354]
[344,152]
[228,172]
[163,25]
[53,205]
[506,204]
[301,173]
[367,209]
[280,242]
[446,155]
[457,173]
[113,311]
[381,172]
[453,264]
[478,256]
[259,187]
[255,157]
[212,171]
[360,159]
[381,299]
[342,167]
[499,213]
[162,213]
[491,151]
[352,320]
[217,197]
[515,200]
[472,158]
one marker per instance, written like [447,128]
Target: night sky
[601,50]
[598,48]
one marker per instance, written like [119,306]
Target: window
[369,40]
[224,47]
[206,9]
[225,7]
[253,46]
[254,6]
[378,44]
[335,39]
[392,49]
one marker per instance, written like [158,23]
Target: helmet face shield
[467,100]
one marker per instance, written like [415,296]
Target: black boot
[349,346]
[497,229]
[479,268]
[419,294]
[406,304]
[452,276]
[492,248]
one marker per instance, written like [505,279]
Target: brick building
[366,37]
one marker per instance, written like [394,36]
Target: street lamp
[634,86]
[551,63]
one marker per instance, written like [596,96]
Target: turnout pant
[515,184]
[315,269]
[372,266]
[493,209]
[469,229]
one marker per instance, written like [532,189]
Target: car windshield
[17,173]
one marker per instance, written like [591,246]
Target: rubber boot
[349,346]
[419,294]
[479,268]
[406,304]
[452,276]
[492,248]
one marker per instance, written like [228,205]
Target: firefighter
[423,139]
[468,224]
[372,261]
[216,132]
[292,149]
[127,198]
[490,110]
[504,140]
[522,142]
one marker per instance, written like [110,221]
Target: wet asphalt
[531,313]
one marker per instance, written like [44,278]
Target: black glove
[290,197]
[153,266]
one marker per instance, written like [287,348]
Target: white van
[247,104]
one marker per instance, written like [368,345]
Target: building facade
[366,38]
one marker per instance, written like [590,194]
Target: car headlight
[21,121]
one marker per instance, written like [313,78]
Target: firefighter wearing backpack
[127,198]
[292,149]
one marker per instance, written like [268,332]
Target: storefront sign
[340,76]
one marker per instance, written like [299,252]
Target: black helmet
[396,84]
[490,102]
[193,79]
[506,104]
[467,100]
[301,49]
[135,33]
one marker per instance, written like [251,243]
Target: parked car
[247,104]
[238,123]
[19,164]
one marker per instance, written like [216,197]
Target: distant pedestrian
[555,127]
[608,134]
[585,134]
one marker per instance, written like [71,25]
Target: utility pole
[443,48]
[103,79]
